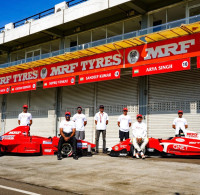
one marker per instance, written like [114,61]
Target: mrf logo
[169,49]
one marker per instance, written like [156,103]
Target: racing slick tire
[67,150]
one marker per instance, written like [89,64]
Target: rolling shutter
[114,95]
[169,93]
[80,95]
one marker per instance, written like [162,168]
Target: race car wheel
[66,150]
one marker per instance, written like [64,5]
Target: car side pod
[155,144]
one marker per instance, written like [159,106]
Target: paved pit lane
[102,174]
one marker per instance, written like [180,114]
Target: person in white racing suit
[25,118]
[140,139]
[124,123]
[179,123]
[80,122]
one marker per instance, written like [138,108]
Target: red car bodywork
[19,141]
[178,146]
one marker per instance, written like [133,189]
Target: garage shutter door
[80,95]
[42,107]
[14,105]
[169,93]
[115,95]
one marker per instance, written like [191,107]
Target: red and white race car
[19,141]
[186,145]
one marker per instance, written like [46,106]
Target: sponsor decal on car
[122,154]
[180,140]
[123,146]
[48,150]
[192,135]
[82,145]
[15,132]
[8,137]
[47,142]
[116,148]
[180,147]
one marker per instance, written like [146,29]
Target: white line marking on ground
[18,190]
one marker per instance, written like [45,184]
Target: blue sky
[15,10]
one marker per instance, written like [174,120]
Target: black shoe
[96,152]
[59,157]
[75,157]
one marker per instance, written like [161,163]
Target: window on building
[176,13]
[194,10]
[20,55]
[3,58]
[158,18]
[194,7]
[98,34]
[33,53]
[115,29]
[46,48]
[132,24]
[55,45]
[14,57]
[84,37]
[71,41]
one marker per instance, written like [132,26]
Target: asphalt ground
[8,187]
[102,174]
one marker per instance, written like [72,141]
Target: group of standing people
[71,130]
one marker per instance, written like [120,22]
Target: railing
[133,34]
[43,14]
[35,17]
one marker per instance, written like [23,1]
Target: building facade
[147,52]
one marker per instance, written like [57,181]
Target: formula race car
[19,141]
[183,145]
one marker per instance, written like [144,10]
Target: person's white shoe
[137,156]
[142,155]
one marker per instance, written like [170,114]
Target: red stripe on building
[4,90]
[59,82]
[25,87]
[99,76]
[171,66]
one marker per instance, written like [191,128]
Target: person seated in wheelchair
[140,139]
[67,132]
